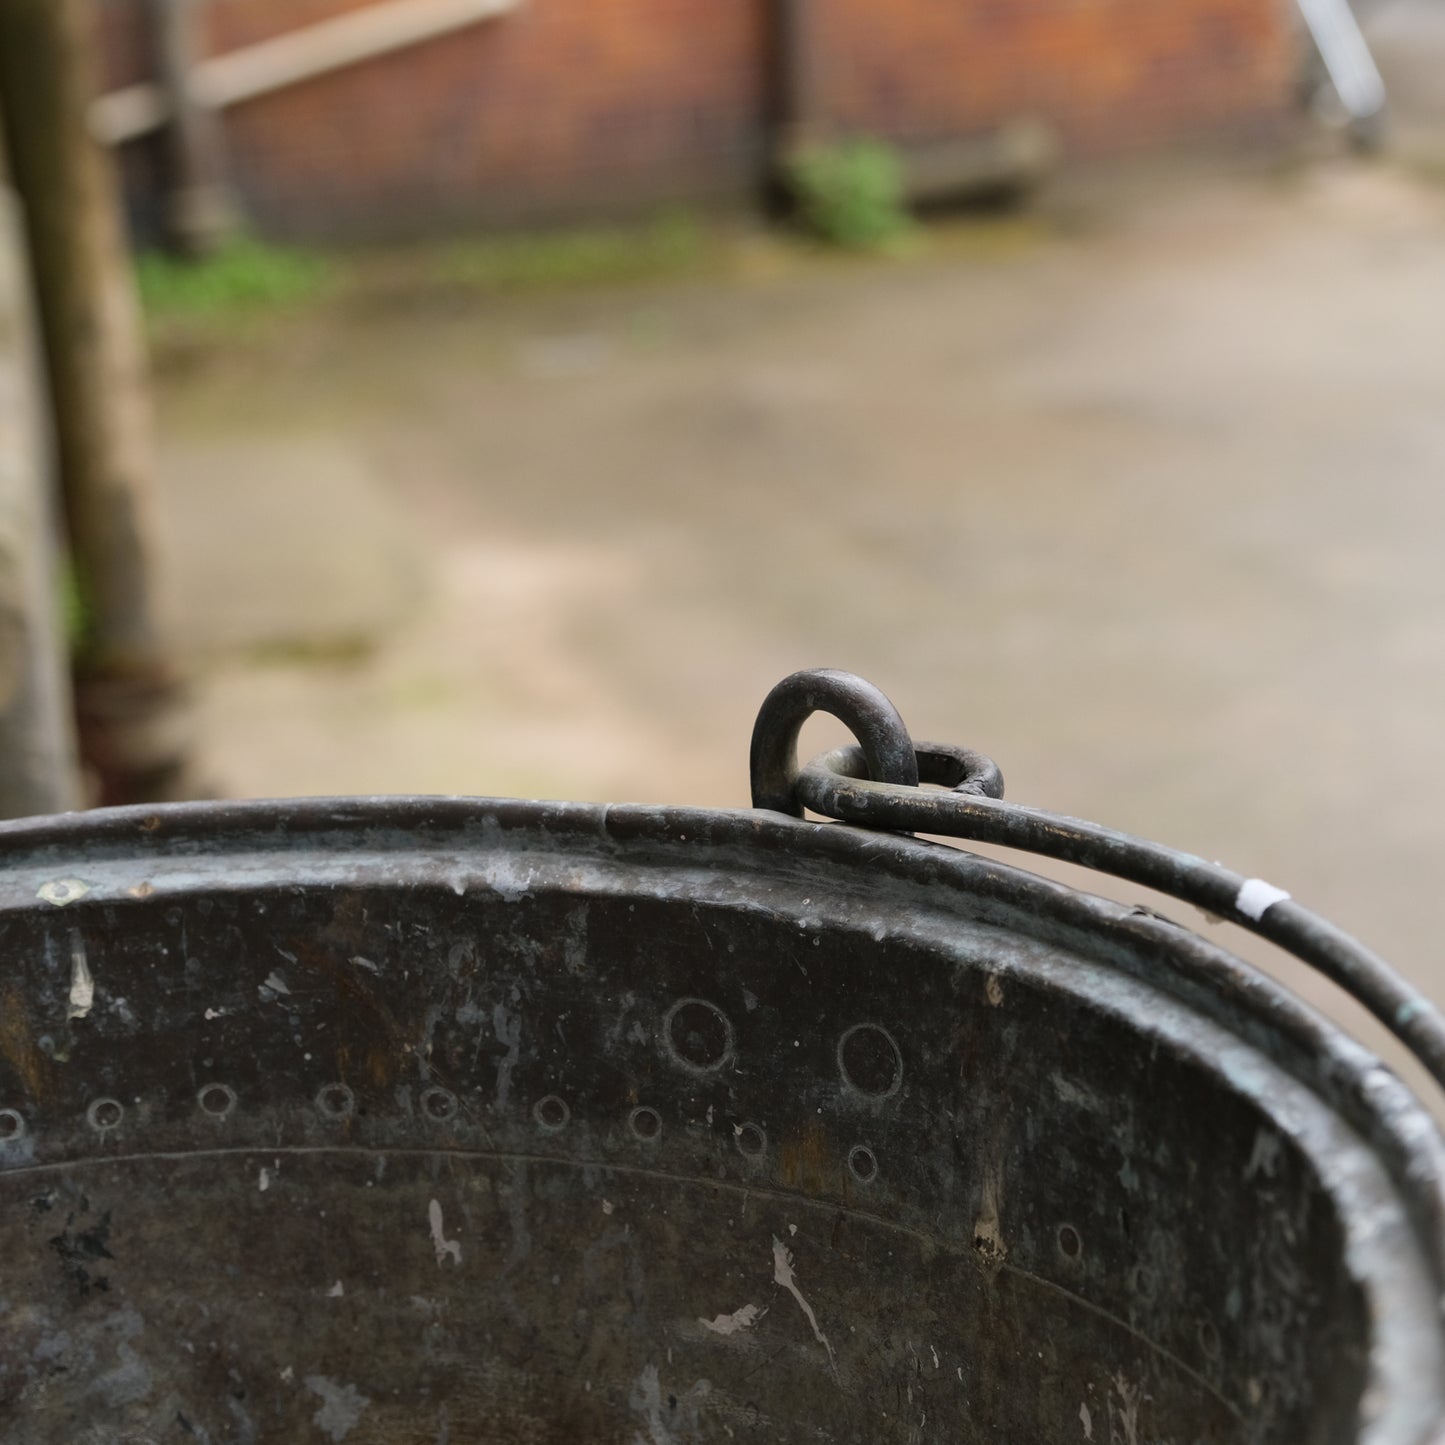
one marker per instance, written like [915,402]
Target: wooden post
[200,212]
[130,702]
[38,771]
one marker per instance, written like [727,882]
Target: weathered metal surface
[443,1121]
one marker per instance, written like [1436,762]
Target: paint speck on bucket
[62,891]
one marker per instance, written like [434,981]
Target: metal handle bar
[843,784]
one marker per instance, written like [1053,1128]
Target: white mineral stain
[130,1379]
[82,985]
[440,1242]
[508,1029]
[1265,1156]
[341,1406]
[1128,1409]
[743,1319]
[1087,1421]
[264,1183]
[337,1291]
[1072,1093]
[783,1275]
[665,1423]
[275,983]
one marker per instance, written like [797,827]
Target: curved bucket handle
[878,786]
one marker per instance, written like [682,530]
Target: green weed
[851,194]
[77,616]
[246,277]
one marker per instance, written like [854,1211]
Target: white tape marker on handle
[1256,897]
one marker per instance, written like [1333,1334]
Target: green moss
[586,256]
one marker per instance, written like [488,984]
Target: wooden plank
[304,54]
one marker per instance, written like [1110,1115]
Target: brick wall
[1112,75]
[566,108]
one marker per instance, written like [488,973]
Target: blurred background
[518,389]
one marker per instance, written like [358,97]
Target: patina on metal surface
[438,1120]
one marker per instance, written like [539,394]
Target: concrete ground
[1151,511]
[1407,39]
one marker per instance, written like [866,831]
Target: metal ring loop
[875,722]
[963,771]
